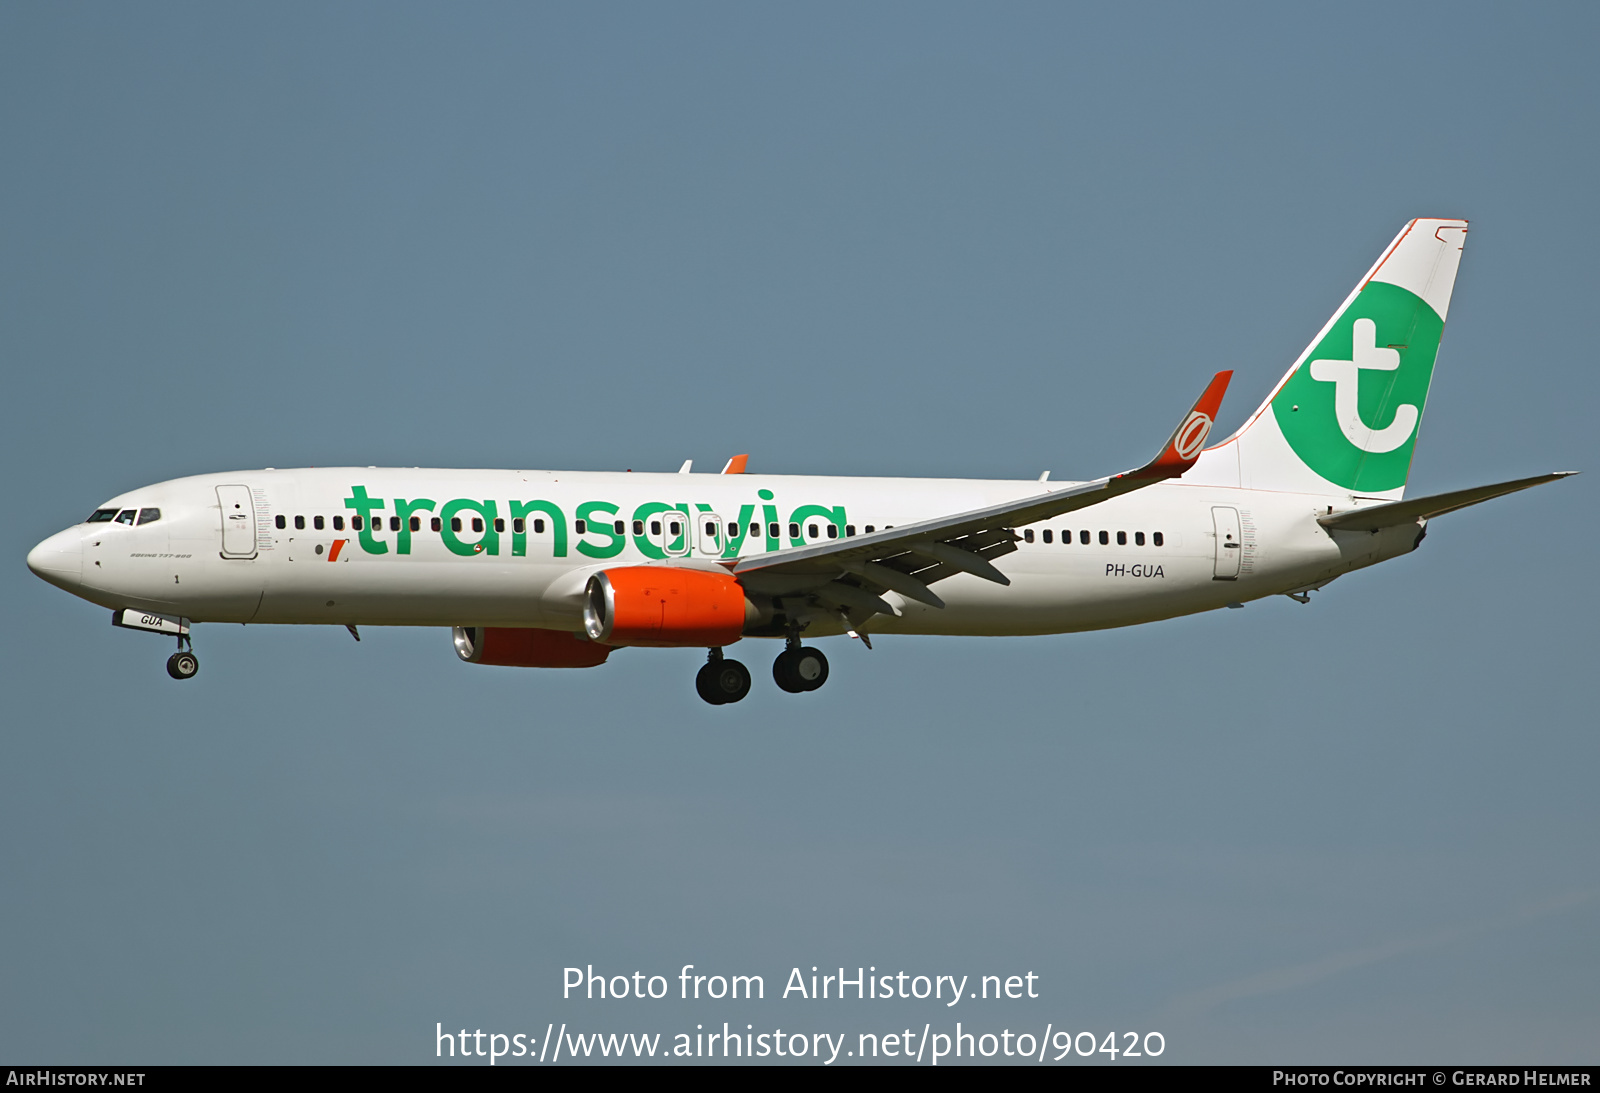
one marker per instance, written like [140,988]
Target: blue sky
[888,239]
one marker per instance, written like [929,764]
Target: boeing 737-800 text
[557,569]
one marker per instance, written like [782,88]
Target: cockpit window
[125,516]
[148,516]
[101,516]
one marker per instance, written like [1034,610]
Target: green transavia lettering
[596,529]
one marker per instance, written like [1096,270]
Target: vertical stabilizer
[1344,419]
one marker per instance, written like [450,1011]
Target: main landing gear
[721,680]
[798,668]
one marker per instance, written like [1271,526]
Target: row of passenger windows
[356,523]
[1085,537]
[124,516]
[519,525]
[620,527]
[673,527]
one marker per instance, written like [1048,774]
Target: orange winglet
[1188,439]
[736,464]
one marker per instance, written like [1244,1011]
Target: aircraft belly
[1064,596]
[406,592]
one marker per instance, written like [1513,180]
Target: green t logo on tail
[1350,412]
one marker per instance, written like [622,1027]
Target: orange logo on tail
[1191,435]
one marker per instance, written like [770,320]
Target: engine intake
[664,605]
[526,647]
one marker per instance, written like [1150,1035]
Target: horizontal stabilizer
[1375,517]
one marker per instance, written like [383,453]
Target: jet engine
[664,605]
[526,647]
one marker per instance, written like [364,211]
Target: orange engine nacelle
[525,647]
[663,605]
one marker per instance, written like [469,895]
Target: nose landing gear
[183,664]
[722,681]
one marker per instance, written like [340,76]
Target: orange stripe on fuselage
[338,545]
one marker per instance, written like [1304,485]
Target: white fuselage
[268,568]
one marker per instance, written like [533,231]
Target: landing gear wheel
[183,665]
[722,681]
[800,669]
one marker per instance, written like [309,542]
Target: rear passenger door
[1230,546]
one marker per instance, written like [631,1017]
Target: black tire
[720,682]
[183,665]
[784,674]
[810,668]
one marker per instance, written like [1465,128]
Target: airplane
[557,569]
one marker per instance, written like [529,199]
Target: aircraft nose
[59,559]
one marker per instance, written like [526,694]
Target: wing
[850,575]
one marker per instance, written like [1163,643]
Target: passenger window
[1105,539]
[500,523]
[619,526]
[755,531]
[711,530]
[1027,535]
[1156,539]
[416,523]
[519,525]
[299,523]
[833,531]
[580,526]
[1138,538]
[280,523]
[871,529]
[316,522]
[1046,534]
[1122,538]
[338,523]
[538,526]
[477,523]
[794,531]
[101,516]
[1083,537]
[655,527]
[772,531]
[811,530]
[674,528]
[849,531]
[148,516]
[436,524]
[355,523]
[455,523]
